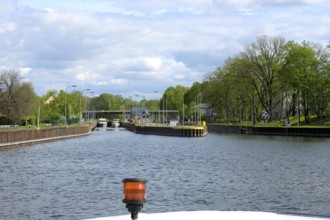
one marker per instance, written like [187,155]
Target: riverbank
[179,131]
[278,131]
[33,135]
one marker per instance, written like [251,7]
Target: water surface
[81,177]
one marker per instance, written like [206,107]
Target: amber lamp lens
[134,191]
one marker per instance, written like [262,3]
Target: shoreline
[272,131]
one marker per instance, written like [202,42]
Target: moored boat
[102,122]
[115,123]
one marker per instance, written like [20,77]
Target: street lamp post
[163,109]
[65,102]
[142,106]
[89,105]
[38,121]
[142,98]
[81,94]
[198,116]
[183,110]
[167,121]
[158,110]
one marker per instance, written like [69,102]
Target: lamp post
[198,116]
[133,108]
[163,109]
[81,94]
[167,121]
[38,121]
[142,98]
[158,110]
[183,110]
[134,195]
[196,110]
[65,102]
[92,94]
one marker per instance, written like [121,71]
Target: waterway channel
[81,177]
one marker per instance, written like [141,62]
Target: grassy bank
[314,122]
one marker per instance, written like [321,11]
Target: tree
[192,97]
[300,73]
[263,60]
[17,98]
[230,91]
[175,97]
[321,86]
[153,104]
[212,91]
[51,106]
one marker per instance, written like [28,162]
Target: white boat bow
[214,215]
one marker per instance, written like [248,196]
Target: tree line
[271,76]
[270,79]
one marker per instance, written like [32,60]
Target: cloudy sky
[129,47]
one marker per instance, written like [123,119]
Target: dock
[179,131]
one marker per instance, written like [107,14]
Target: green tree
[52,107]
[17,98]
[300,74]
[175,97]
[321,86]
[192,97]
[153,104]
[263,60]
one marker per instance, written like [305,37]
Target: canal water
[82,177]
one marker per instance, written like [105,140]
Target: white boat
[115,123]
[102,122]
[216,215]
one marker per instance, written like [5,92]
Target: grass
[313,122]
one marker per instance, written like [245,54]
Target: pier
[179,131]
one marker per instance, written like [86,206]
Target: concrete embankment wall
[224,129]
[31,135]
[167,130]
[289,131]
[280,131]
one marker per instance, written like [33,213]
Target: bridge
[129,114]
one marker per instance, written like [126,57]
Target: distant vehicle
[102,122]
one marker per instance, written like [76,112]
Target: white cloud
[119,81]
[85,76]
[131,44]
[7,28]
[258,3]
[154,63]
[24,71]
[102,83]
[7,8]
